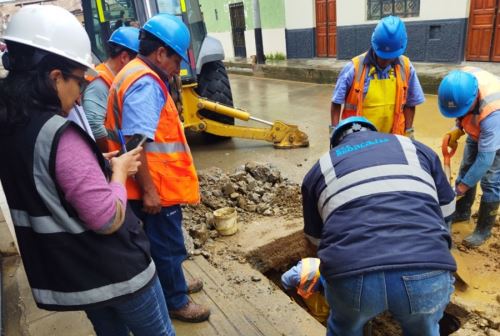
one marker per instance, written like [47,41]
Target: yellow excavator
[202,92]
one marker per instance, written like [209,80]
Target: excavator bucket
[286,136]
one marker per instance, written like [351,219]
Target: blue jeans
[490,182]
[164,231]
[415,298]
[144,315]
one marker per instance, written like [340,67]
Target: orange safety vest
[314,300]
[489,101]
[169,158]
[104,73]
[309,276]
[354,102]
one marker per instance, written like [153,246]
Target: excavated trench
[276,258]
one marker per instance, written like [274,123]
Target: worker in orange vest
[123,46]
[140,103]
[380,84]
[306,279]
[472,96]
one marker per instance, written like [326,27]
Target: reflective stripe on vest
[56,229]
[104,73]
[489,101]
[340,191]
[60,221]
[95,295]
[169,157]
[354,101]
[173,147]
[309,276]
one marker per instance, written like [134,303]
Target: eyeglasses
[82,81]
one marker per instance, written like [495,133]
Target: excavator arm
[279,133]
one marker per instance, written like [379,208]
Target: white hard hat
[53,29]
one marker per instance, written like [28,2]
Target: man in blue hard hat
[472,96]
[380,84]
[139,102]
[123,46]
[376,207]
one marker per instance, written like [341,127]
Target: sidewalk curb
[428,79]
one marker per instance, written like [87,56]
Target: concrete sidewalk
[326,70]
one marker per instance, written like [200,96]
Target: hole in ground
[382,325]
[277,257]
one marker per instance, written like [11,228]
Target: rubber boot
[485,222]
[463,208]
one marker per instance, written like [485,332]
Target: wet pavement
[306,105]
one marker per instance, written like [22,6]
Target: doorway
[483,33]
[237,15]
[326,28]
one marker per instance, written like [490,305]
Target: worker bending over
[472,95]
[375,207]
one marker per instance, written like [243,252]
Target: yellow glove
[454,134]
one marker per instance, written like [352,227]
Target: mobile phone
[134,141]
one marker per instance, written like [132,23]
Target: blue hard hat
[170,30]
[346,124]
[389,38]
[127,37]
[457,93]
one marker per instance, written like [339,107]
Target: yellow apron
[318,307]
[378,105]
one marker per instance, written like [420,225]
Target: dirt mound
[255,189]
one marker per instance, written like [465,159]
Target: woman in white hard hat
[81,247]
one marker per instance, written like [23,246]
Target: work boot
[194,286]
[463,208]
[191,312]
[485,222]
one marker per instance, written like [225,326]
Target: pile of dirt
[254,189]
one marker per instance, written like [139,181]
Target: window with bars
[378,9]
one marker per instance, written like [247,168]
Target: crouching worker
[306,279]
[375,206]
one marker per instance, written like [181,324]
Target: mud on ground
[259,191]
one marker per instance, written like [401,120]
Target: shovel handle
[447,154]
[447,151]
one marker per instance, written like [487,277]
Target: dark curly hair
[28,87]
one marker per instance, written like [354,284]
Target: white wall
[299,14]
[353,12]
[273,40]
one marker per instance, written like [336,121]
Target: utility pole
[259,47]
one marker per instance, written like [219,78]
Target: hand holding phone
[133,142]
[125,165]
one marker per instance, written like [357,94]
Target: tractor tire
[213,84]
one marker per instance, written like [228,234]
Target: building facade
[232,23]
[438,31]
